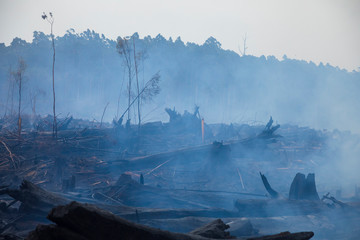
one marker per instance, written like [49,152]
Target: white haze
[320,31]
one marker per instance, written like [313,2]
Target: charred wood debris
[178,180]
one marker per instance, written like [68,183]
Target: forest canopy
[227,87]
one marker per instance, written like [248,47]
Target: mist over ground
[91,75]
[228,88]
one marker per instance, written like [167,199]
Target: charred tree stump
[274,194]
[269,130]
[303,188]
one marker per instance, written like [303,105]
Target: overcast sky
[325,31]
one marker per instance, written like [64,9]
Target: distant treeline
[89,73]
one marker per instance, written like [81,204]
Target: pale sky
[325,31]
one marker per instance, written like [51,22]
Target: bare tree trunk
[129,93]
[126,50]
[53,83]
[33,107]
[19,109]
[102,117]
[243,53]
[12,99]
[137,84]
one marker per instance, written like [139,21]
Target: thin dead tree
[118,101]
[51,22]
[132,60]
[137,82]
[102,117]
[124,50]
[243,52]
[19,78]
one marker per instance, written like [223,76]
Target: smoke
[228,88]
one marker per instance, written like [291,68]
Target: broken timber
[303,200]
[76,221]
[202,150]
[35,198]
[38,199]
[274,194]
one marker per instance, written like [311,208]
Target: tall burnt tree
[51,22]
[137,81]
[132,59]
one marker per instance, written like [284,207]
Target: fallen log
[10,237]
[214,149]
[38,199]
[78,221]
[286,236]
[159,158]
[132,193]
[148,213]
[35,198]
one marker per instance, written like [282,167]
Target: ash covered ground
[181,175]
